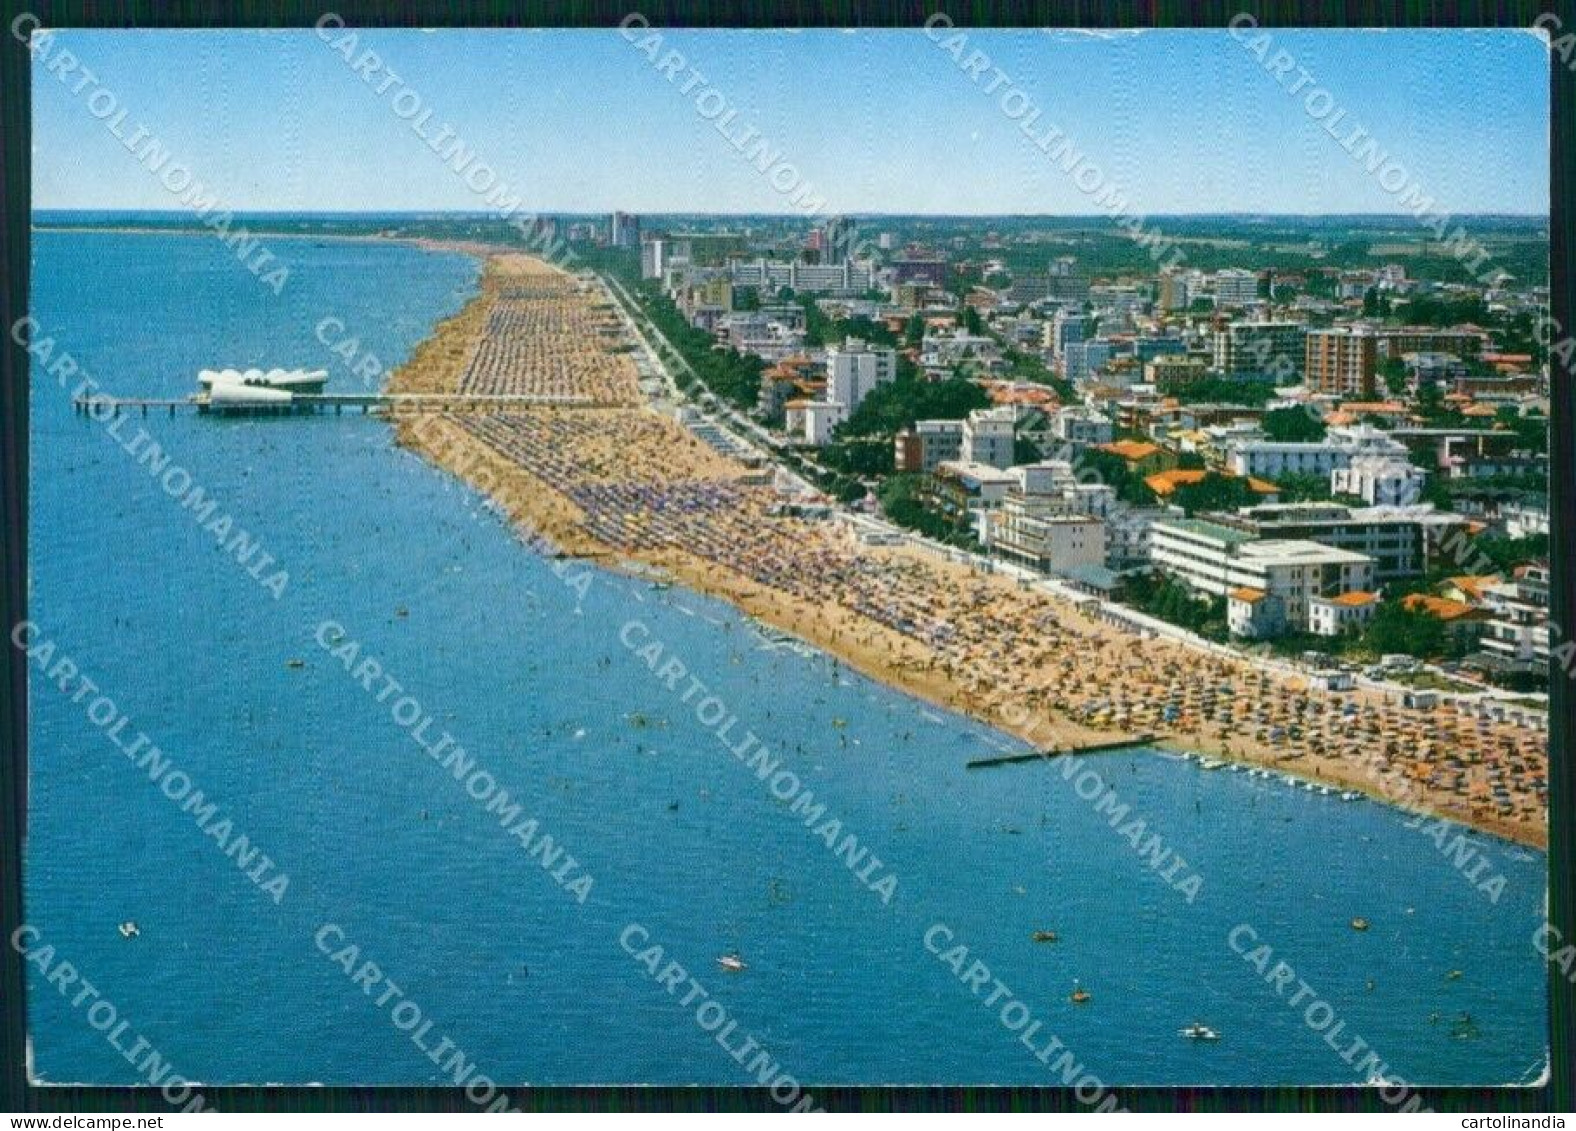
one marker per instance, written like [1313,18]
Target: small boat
[1210,763]
[294,663]
[731,962]
[1350,795]
[1359,924]
[129,929]
[1079,995]
[1199,1032]
[1044,936]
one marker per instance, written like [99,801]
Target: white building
[942,351]
[659,256]
[804,278]
[1026,531]
[1519,607]
[820,417]
[1080,360]
[1345,612]
[1402,541]
[1080,427]
[854,369]
[1235,287]
[1268,583]
[1271,459]
[1525,518]
[988,437]
[1379,480]
[928,444]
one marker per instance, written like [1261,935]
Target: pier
[1112,747]
[315,403]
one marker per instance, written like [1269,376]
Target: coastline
[426,243]
[540,507]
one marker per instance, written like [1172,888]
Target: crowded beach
[628,484]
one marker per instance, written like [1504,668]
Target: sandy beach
[627,485]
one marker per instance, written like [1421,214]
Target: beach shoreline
[540,509]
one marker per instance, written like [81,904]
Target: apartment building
[928,444]
[1342,362]
[855,368]
[1518,606]
[988,437]
[1401,541]
[1268,583]
[1236,287]
[1261,349]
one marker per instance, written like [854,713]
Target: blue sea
[530,674]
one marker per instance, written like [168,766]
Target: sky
[873,121]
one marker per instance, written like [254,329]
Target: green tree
[1393,372]
[1112,470]
[1399,630]
[1304,488]
[1214,492]
[900,500]
[897,404]
[1532,431]
[859,455]
[1221,390]
[1293,425]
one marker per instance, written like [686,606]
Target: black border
[15,173]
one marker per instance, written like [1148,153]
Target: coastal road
[710,404]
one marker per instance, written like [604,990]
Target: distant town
[1328,440]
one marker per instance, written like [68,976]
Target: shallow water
[530,675]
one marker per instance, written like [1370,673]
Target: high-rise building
[1066,327]
[1268,349]
[854,369]
[1173,292]
[931,271]
[988,436]
[1342,362]
[623,230]
[837,240]
[1081,360]
[659,256]
[930,442]
[1236,287]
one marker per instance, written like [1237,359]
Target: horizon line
[854,214]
